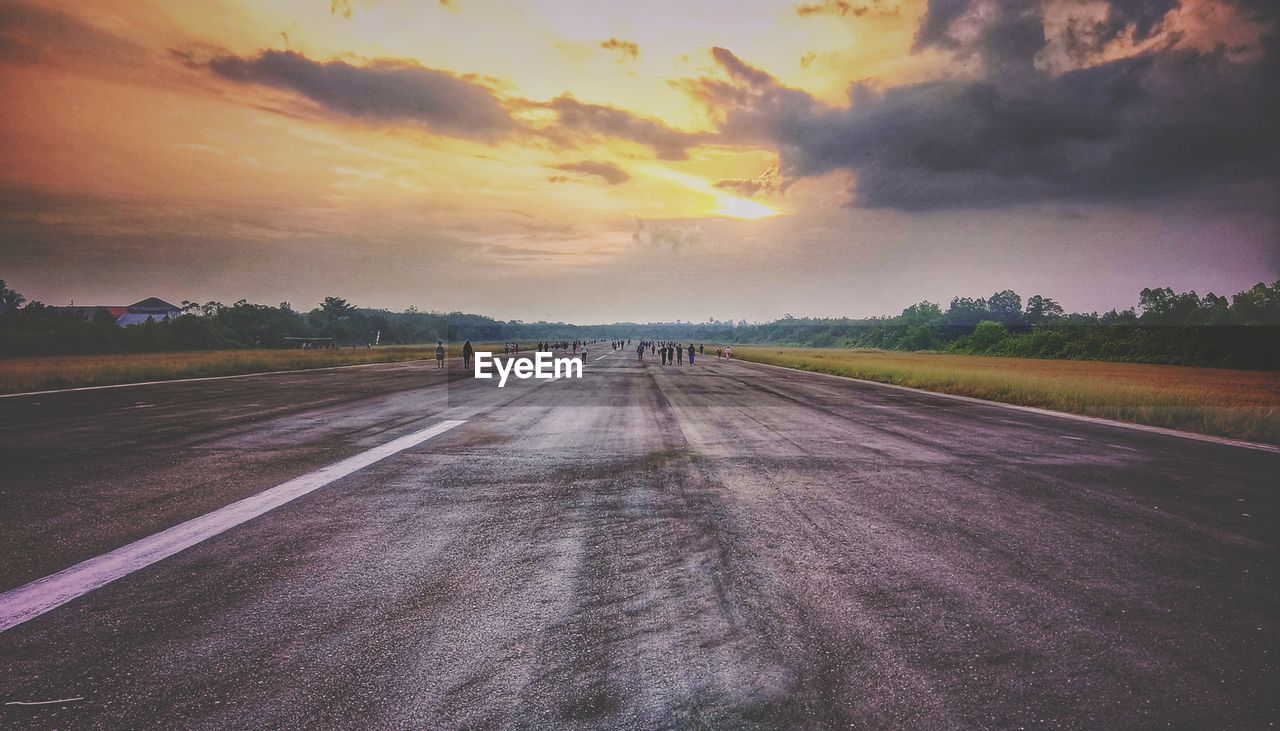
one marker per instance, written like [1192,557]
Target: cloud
[606,171]
[31,34]
[1159,122]
[384,91]
[396,92]
[764,184]
[624,48]
[594,119]
[842,8]
[662,237]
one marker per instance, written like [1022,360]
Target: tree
[967,311]
[921,313]
[916,337]
[1258,305]
[9,299]
[1042,309]
[1005,307]
[1214,310]
[336,308]
[1162,306]
[986,335]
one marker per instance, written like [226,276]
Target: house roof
[90,311]
[153,303]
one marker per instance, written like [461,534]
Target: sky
[595,161]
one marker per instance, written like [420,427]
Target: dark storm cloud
[383,91]
[30,34]
[606,171]
[1159,123]
[1014,31]
[580,118]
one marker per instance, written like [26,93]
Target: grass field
[38,374]
[1229,403]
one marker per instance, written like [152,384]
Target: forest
[1164,326]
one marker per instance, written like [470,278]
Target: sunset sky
[596,161]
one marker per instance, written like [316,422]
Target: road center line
[42,595]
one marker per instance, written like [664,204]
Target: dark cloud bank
[1165,121]
[1160,122]
[399,92]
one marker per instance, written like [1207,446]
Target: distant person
[699,349]
[690,353]
[467,352]
[439,354]
[640,353]
[679,354]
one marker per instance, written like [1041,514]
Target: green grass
[38,374]
[1218,401]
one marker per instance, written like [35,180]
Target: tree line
[1242,331]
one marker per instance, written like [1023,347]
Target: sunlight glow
[724,204]
[744,208]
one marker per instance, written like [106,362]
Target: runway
[725,545]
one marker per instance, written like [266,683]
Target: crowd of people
[669,351]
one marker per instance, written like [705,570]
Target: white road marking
[42,595]
[44,703]
[213,378]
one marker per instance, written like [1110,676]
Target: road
[725,545]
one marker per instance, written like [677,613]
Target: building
[151,308]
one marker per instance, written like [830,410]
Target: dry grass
[1218,401]
[38,374]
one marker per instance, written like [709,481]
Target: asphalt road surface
[725,545]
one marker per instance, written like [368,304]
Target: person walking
[679,354]
[467,353]
[640,353]
[690,353]
[439,354]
